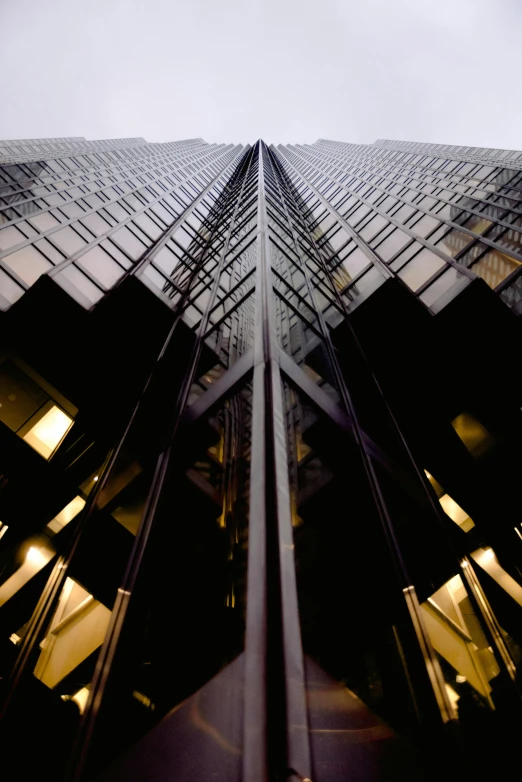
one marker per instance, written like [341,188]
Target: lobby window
[466,658]
[48,430]
[32,409]
[450,507]
[475,437]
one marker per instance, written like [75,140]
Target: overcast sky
[284,70]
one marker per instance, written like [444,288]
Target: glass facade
[259,446]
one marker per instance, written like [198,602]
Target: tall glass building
[260,425]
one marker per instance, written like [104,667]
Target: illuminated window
[486,559]
[475,437]
[449,506]
[49,431]
[459,640]
[456,513]
[77,630]
[80,698]
[36,557]
[66,515]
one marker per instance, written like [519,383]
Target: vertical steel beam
[276,731]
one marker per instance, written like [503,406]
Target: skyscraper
[259,455]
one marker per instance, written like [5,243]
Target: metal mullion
[237,304]
[240,226]
[319,283]
[238,234]
[203,323]
[278,223]
[355,280]
[233,290]
[234,248]
[325,335]
[272,613]
[294,292]
[238,255]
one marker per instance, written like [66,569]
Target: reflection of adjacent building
[259,515]
[491,264]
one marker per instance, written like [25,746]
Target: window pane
[424,226]
[74,276]
[48,432]
[98,263]
[495,267]
[128,243]
[454,242]
[10,236]
[9,289]
[166,260]
[392,244]
[356,262]
[420,269]
[442,284]
[68,240]
[28,264]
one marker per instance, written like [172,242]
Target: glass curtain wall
[258,574]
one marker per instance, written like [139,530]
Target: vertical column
[276,735]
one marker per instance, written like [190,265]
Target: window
[66,515]
[68,240]
[77,630]
[420,269]
[98,263]
[392,244]
[48,432]
[356,262]
[44,222]
[78,285]
[475,437]
[9,290]
[494,267]
[425,226]
[456,513]
[449,279]
[454,242]
[10,236]
[128,243]
[28,264]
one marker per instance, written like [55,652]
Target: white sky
[284,70]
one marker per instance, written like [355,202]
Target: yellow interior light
[36,557]
[80,698]
[66,515]
[475,437]
[456,513]
[47,433]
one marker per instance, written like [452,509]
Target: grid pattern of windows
[435,216]
[86,219]
[89,212]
